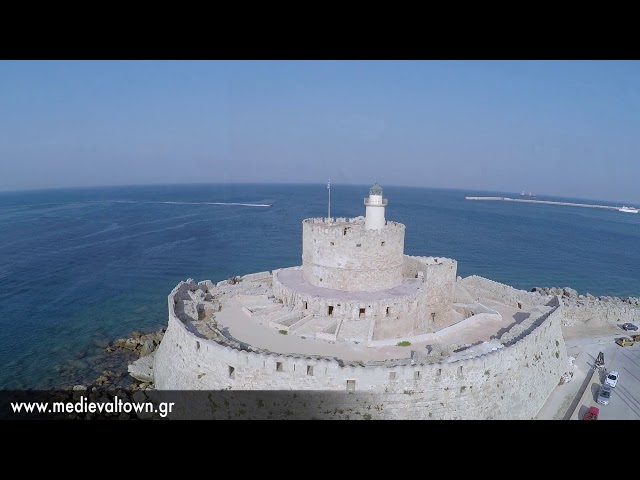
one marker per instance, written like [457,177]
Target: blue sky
[567,128]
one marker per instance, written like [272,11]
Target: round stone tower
[374,217]
[354,254]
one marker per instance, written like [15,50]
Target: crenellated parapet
[343,255]
[512,380]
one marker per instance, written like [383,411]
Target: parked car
[629,326]
[592,413]
[625,342]
[612,379]
[604,395]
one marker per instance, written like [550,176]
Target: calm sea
[81,267]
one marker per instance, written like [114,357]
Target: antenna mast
[329,207]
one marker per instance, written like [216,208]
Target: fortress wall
[188,312]
[502,293]
[574,309]
[608,311]
[394,317]
[510,383]
[461,295]
[460,326]
[473,308]
[207,285]
[579,310]
[412,264]
[346,256]
[427,310]
[256,276]
[440,280]
[525,327]
[439,275]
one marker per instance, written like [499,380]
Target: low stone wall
[423,312]
[609,312]
[401,311]
[582,308]
[502,293]
[478,317]
[482,313]
[439,275]
[252,277]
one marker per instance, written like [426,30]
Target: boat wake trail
[220,203]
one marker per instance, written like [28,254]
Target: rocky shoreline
[116,381]
[117,356]
[573,297]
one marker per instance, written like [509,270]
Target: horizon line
[89,187]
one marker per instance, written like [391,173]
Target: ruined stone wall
[394,317]
[584,310]
[510,383]
[502,293]
[439,275]
[428,310]
[343,255]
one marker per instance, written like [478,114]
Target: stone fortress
[361,317]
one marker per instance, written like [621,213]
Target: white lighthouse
[374,217]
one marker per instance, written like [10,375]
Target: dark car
[629,326]
[604,395]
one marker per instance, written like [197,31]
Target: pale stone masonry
[360,316]
[343,255]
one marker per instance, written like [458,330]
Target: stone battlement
[346,256]
[481,387]
[340,227]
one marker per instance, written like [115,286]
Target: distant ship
[628,210]
[524,194]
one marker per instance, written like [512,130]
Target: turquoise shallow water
[81,267]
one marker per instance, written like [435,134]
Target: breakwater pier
[546,202]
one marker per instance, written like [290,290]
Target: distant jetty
[547,202]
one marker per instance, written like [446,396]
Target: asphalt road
[624,403]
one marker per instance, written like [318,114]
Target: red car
[592,413]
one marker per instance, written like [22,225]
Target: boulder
[148,346]
[142,369]
[197,295]
[128,343]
